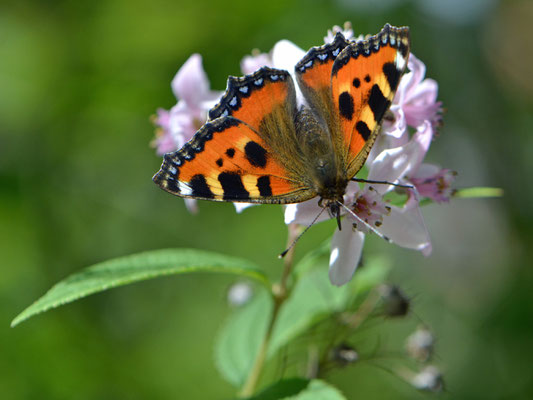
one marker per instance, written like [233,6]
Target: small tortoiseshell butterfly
[260,147]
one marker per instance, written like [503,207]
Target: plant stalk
[280,293]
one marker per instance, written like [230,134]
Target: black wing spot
[220,162]
[255,154]
[263,184]
[346,106]
[230,152]
[377,102]
[367,78]
[233,186]
[200,187]
[356,83]
[392,74]
[363,130]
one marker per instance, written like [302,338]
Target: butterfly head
[333,207]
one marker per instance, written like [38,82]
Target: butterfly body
[260,146]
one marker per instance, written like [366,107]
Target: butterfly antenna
[284,253]
[381,235]
[409,187]
[383,182]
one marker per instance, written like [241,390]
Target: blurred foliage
[79,81]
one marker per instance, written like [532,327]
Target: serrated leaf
[138,267]
[239,340]
[318,390]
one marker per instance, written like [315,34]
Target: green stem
[279,293]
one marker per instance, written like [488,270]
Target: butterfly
[259,146]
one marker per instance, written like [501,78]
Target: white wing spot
[258,82]
[233,101]
[399,61]
[185,189]
[243,89]
[172,170]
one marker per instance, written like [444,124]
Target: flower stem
[280,293]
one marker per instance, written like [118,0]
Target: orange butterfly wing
[364,79]
[313,73]
[247,152]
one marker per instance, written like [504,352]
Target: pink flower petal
[285,55]
[192,205]
[346,31]
[190,83]
[393,164]
[304,213]
[405,227]
[417,96]
[346,249]
[250,64]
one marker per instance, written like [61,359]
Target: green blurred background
[78,82]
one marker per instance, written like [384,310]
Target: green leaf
[239,340]
[312,259]
[395,198]
[314,299]
[318,390]
[299,389]
[373,273]
[282,389]
[138,267]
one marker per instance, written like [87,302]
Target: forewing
[364,79]
[248,151]
[313,73]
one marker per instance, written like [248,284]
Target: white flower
[403,226]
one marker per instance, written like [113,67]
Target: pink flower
[177,126]
[346,31]
[415,103]
[430,180]
[416,98]
[434,183]
[250,64]
[191,88]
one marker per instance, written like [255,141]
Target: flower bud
[395,301]
[239,294]
[344,355]
[420,344]
[429,379]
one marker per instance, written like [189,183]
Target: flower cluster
[397,156]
